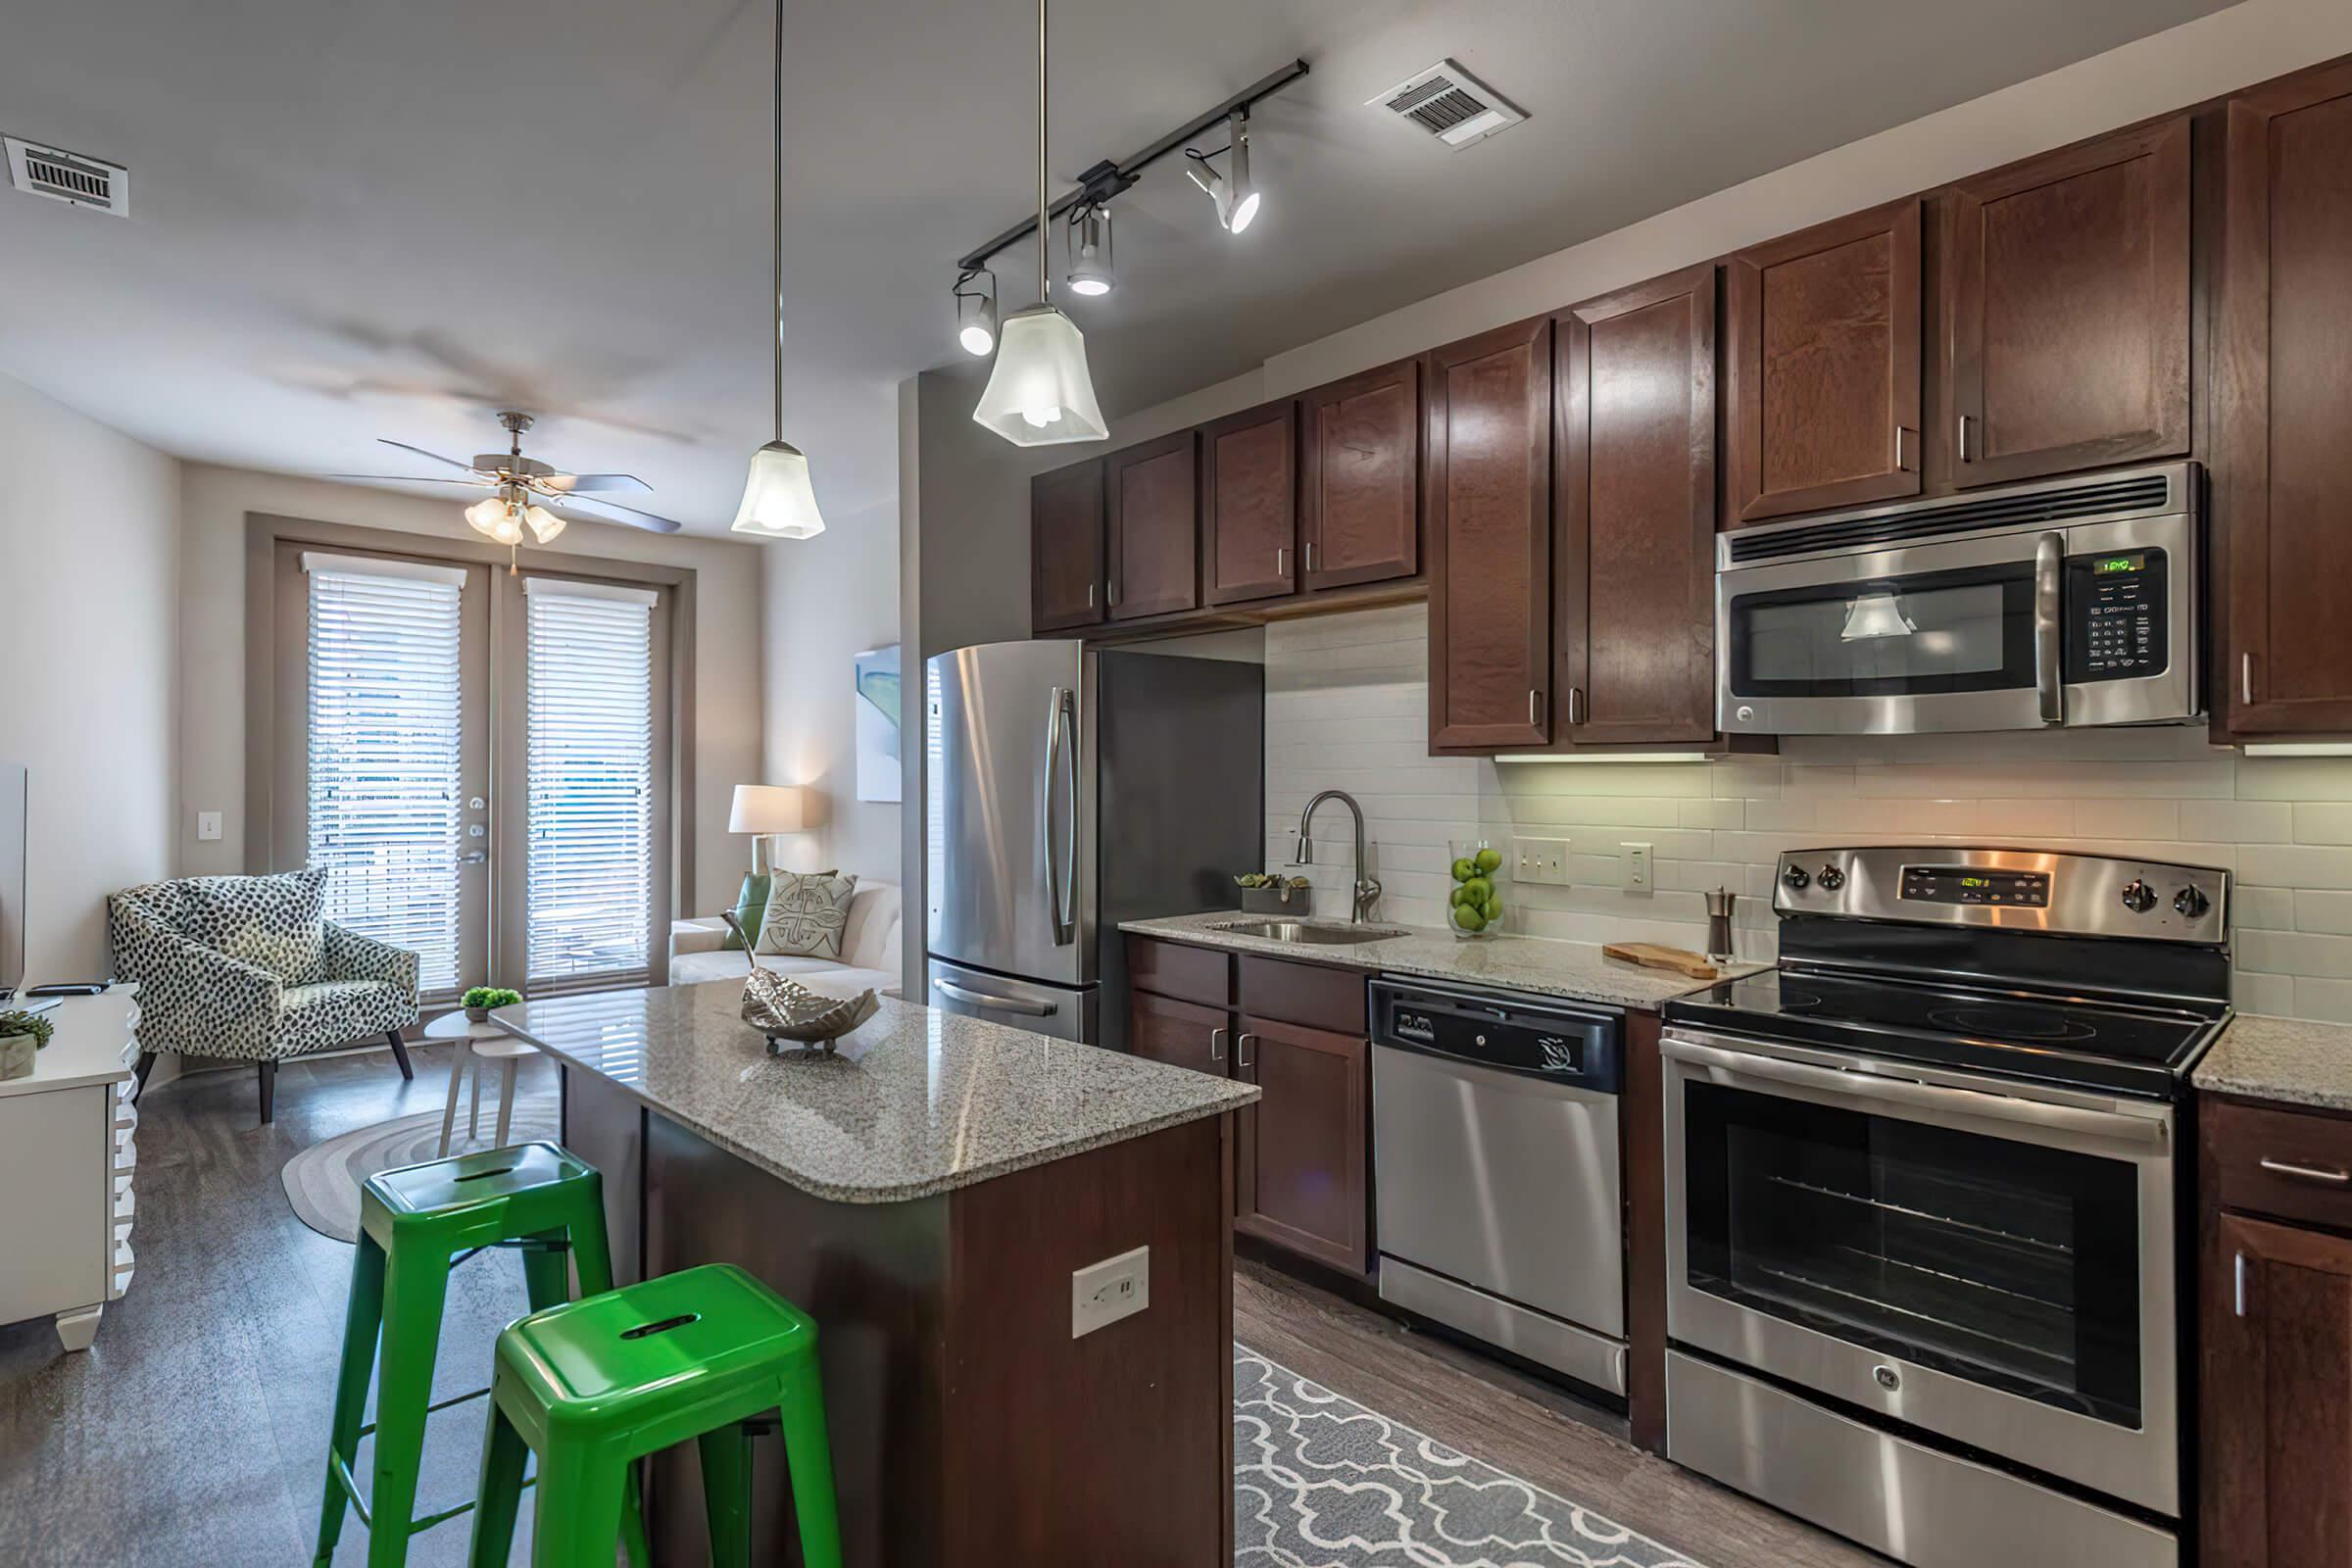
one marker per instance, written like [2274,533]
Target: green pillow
[751,907]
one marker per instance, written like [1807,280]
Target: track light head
[976,314]
[1091,268]
[1232,188]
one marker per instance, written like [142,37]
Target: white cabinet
[68,1132]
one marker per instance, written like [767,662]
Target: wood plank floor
[194,1433]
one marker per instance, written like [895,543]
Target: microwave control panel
[2115,616]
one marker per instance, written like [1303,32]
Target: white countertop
[1572,969]
[917,1102]
[91,1044]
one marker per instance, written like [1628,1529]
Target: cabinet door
[1824,365]
[1360,502]
[1304,1180]
[2067,309]
[1065,546]
[2283,408]
[1249,505]
[1182,1034]
[1152,522]
[1488,503]
[1636,618]
[2278,1398]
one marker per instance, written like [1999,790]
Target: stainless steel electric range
[1924,1196]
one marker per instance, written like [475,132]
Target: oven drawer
[2289,1163]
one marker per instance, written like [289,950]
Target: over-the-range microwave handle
[1863,1089]
[2050,648]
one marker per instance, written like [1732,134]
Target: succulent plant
[487,998]
[16,1022]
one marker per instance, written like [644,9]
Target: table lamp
[763,810]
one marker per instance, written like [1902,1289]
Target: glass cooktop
[2024,1034]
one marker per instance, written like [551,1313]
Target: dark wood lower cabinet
[1182,1034]
[1303,1178]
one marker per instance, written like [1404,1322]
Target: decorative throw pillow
[277,923]
[807,914]
[750,911]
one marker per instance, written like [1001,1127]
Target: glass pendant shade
[778,502]
[485,514]
[1040,393]
[544,525]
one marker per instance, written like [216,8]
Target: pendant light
[1040,393]
[778,502]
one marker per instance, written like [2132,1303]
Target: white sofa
[870,950]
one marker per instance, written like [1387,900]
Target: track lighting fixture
[1091,271]
[976,312]
[1233,190]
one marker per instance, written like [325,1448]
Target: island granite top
[2291,1060]
[915,1101]
[1573,970]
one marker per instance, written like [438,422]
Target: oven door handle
[2049,603]
[1975,1104]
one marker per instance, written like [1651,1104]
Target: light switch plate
[1101,1293]
[1637,870]
[207,826]
[1544,860]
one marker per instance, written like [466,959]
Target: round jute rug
[323,1182]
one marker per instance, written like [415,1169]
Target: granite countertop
[917,1102]
[2291,1060]
[1573,970]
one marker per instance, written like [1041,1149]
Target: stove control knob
[2139,897]
[1796,878]
[1830,878]
[2190,904]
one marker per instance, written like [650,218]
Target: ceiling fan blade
[573,484]
[410,478]
[635,518]
[435,456]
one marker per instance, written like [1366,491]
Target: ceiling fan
[517,486]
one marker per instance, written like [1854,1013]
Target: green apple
[1478,889]
[1490,860]
[1492,909]
[1469,919]
[1463,871]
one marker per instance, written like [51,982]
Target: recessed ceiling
[361,220]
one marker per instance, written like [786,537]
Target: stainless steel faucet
[1367,890]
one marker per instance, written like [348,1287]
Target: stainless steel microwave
[2064,602]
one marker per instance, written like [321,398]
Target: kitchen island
[926,1195]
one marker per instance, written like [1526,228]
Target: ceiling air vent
[1449,104]
[69,177]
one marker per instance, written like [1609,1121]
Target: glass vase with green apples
[1476,906]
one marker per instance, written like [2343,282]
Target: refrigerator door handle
[1062,865]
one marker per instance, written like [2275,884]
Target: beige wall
[828,598]
[214,503]
[89,607]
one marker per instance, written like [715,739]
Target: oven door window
[2010,1264]
[1968,630]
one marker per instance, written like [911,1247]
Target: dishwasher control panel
[1559,1041]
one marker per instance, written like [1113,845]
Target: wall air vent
[66,176]
[1449,104]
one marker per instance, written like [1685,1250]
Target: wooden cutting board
[1654,956]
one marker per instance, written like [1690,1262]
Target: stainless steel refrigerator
[1071,789]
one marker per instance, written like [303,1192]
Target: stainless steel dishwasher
[1495,1169]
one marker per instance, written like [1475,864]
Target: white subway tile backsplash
[2238,821]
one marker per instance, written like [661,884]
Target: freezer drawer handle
[981,999]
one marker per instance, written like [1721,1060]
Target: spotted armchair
[246,968]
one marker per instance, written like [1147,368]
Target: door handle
[1241,1052]
[2317,1175]
[2238,1284]
[2049,673]
[1281,555]
[1216,1044]
[2245,678]
[473,857]
[981,999]
[1900,465]
[1960,441]
[1056,908]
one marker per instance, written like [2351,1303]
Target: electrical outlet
[1638,868]
[207,826]
[1101,1293]
[1544,860]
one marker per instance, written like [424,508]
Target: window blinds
[386,754]
[590,777]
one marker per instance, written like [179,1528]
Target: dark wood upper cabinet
[2066,299]
[1634,625]
[1249,505]
[1151,519]
[1065,548]
[1489,505]
[1824,365]
[1303,1178]
[1360,499]
[2283,409]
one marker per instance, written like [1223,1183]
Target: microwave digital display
[1954,884]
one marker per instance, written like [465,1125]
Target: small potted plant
[1271,894]
[22,1034]
[482,1001]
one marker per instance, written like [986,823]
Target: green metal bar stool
[417,1223]
[609,1379]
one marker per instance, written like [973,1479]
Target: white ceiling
[353,220]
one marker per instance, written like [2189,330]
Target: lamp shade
[778,500]
[769,809]
[1040,393]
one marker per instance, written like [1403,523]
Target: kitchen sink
[1310,934]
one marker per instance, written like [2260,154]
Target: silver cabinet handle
[1576,705]
[1216,1044]
[1089,596]
[2238,1284]
[1281,557]
[2317,1175]
[1902,463]
[1531,704]
[2050,588]
[981,999]
[1241,1052]
[1962,439]
[1310,555]
[2245,678]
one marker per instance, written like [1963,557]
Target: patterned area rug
[323,1182]
[1323,1483]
